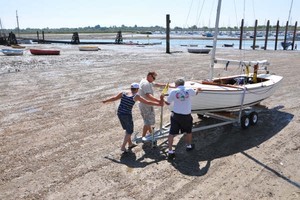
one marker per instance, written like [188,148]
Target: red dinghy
[44,52]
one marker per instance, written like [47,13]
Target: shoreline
[111,36]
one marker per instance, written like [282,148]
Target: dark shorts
[181,123]
[127,123]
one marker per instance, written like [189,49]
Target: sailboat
[233,92]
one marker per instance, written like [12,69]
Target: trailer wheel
[253,118]
[245,121]
[200,116]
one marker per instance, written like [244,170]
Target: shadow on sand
[130,159]
[229,140]
[215,143]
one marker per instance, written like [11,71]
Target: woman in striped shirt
[128,100]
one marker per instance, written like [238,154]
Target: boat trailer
[243,117]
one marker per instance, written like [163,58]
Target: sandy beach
[58,141]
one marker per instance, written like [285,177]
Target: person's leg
[125,141]
[146,128]
[170,142]
[188,138]
[149,119]
[127,124]
[187,125]
[174,130]
[171,153]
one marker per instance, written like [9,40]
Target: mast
[290,10]
[18,28]
[0,28]
[213,54]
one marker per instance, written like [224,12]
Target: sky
[107,13]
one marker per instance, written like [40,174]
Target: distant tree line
[136,29]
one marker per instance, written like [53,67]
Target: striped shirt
[126,104]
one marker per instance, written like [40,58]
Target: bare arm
[198,90]
[159,84]
[143,100]
[114,98]
[152,98]
[162,99]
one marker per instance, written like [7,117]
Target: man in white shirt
[181,118]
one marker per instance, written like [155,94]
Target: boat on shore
[89,48]
[233,92]
[254,47]
[16,46]
[286,45]
[12,52]
[199,50]
[230,93]
[228,45]
[44,52]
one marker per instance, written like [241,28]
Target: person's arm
[152,98]
[145,101]
[114,98]
[198,90]
[163,100]
[159,84]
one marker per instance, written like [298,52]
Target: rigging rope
[199,13]
[211,10]
[290,11]
[186,21]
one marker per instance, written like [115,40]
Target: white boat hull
[89,48]
[12,52]
[198,50]
[215,97]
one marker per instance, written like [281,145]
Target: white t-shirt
[181,97]
[145,88]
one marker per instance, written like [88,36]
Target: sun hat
[135,85]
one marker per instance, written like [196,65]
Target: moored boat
[16,46]
[286,45]
[89,48]
[12,52]
[44,52]
[199,50]
[228,45]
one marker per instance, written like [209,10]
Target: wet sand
[58,141]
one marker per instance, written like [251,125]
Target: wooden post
[267,35]
[43,34]
[285,34]
[168,21]
[294,36]
[276,38]
[254,36]
[241,35]
[38,37]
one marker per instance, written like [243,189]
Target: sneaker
[144,139]
[171,156]
[124,151]
[190,147]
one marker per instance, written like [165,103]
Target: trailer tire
[253,118]
[200,116]
[245,121]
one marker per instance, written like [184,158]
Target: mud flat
[58,141]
